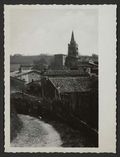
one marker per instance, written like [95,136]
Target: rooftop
[71,84]
[23,72]
[88,58]
[80,72]
[87,64]
[60,54]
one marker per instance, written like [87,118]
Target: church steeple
[73,47]
[72,37]
[72,58]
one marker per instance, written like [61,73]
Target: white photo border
[107,81]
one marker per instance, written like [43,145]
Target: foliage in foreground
[15,123]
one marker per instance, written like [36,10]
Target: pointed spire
[72,37]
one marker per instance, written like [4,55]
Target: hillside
[20,59]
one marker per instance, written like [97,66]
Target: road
[44,132]
[36,133]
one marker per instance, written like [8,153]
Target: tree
[40,64]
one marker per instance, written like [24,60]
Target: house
[18,66]
[27,75]
[89,67]
[77,95]
[16,84]
[93,58]
[25,67]
[66,88]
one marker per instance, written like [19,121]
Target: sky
[47,30]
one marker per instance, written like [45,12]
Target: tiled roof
[65,73]
[23,72]
[87,64]
[71,84]
[88,58]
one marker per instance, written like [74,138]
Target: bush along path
[36,133]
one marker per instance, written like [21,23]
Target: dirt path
[36,133]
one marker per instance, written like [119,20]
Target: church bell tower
[73,47]
[72,58]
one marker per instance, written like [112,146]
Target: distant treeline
[20,59]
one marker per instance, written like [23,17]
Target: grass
[70,136]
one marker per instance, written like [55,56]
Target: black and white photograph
[55,73]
